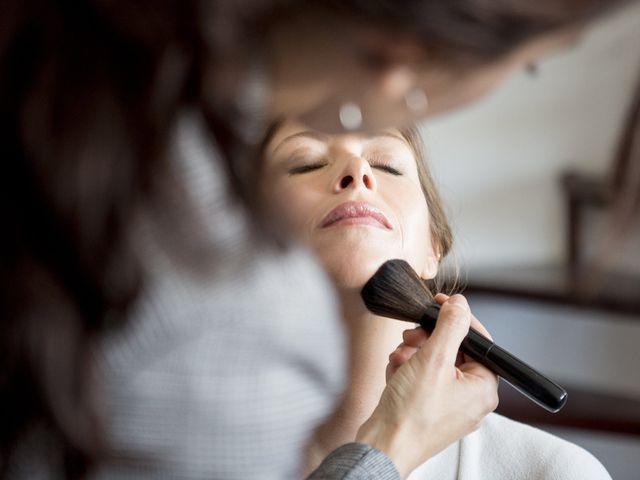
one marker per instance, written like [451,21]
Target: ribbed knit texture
[356,461]
[223,372]
[224,369]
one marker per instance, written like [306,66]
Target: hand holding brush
[396,291]
[414,338]
[430,402]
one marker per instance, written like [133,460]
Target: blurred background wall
[503,155]
[499,164]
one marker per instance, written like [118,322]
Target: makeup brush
[396,291]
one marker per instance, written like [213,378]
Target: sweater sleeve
[356,461]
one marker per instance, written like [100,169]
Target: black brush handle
[517,373]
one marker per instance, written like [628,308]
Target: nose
[356,173]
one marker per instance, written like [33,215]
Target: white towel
[504,449]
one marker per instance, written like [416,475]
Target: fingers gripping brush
[396,291]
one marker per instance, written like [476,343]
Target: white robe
[504,449]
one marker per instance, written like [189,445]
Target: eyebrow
[388,134]
[323,137]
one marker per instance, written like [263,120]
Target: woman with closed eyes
[359,200]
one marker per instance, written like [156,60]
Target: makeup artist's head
[358,199]
[373,64]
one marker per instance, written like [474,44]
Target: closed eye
[388,169]
[385,162]
[306,168]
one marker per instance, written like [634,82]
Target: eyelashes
[311,167]
[387,168]
[377,164]
[385,163]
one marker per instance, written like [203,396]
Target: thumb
[451,327]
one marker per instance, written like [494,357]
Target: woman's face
[355,198]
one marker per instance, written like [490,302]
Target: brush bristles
[396,291]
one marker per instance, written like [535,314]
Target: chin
[351,255]
[351,269]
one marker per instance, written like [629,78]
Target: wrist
[386,438]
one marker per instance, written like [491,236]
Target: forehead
[294,133]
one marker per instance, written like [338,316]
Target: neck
[370,341]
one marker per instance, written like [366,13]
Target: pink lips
[356,213]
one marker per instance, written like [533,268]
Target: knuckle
[403,355]
[455,316]
[458,298]
[407,335]
[414,336]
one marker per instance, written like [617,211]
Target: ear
[430,267]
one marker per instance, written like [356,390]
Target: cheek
[296,204]
[417,246]
[416,231]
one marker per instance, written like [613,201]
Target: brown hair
[441,233]
[442,237]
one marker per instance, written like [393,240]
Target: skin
[438,405]
[306,176]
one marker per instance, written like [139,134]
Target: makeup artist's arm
[428,403]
